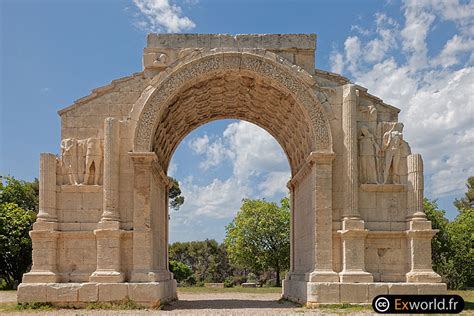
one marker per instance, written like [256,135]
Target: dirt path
[198,304]
[7,296]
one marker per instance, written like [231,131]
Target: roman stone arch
[357,222]
[233,85]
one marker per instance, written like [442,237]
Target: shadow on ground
[228,304]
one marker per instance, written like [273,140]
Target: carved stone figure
[93,161]
[69,159]
[368,148]
[391,145]
[371,117]
[81,160]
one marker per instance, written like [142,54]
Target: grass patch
[120,305]
[468,296]
[235,289]
[345,308]
[9,307]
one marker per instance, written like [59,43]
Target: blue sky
[417,56]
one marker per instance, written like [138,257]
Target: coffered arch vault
[261,89]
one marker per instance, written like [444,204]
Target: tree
[259,236]
[15,243]
[174,195]
[207,259]
[461,252]
[18,208]
[440,242]
[181,272]
[22,193]
[467,202]
[452,246]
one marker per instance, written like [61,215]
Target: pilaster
[149,248]
[322,170]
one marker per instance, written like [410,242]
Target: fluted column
[108,235]
[353,231]
[47,214]
[419,233]
[349,127]
[111,171]
[44,236]
[415,187]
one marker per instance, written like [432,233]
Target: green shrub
[229,282]
[180,271]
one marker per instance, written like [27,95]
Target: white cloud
[172,169]
[162,16]
[452,50]
[219,199]
[255,150]
[275,183]
[418,21]
[260,169]
[215,152]
[434,93]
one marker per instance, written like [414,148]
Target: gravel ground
[7,296]
[199,304]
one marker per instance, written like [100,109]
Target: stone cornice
[97,92]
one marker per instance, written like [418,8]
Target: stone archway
[104,236]
[254,88]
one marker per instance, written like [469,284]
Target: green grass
[344,308]
[12,307]
[235,289]
[122,305]
[468,296]
[9,307]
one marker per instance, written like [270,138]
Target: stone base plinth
[315,293]
[150,294]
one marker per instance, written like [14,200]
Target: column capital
[314,157]
[143,158]
[150,159]
[321,157]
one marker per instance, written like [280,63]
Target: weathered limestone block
[354,293]
[376,289]
[32,292]
[320,292]
[113,292]
[88,292]
[62,293]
